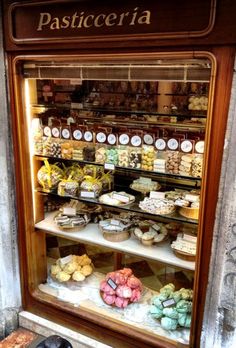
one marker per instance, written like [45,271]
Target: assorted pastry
[72,268]
[120,288]
[145,185]
[150,232]
[117,198]
[173,308]
[157,206]
[185,244]
[115,229]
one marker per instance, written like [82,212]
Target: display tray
[184,256]
[91,235]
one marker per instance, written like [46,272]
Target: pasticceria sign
[71,20]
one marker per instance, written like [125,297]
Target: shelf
[128,169]
[132,207]
[120,110]
[91,235]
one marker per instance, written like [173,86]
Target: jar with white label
[148,156]
[112,155]
[123,156]
[135,157]
[172,162]
[100,153]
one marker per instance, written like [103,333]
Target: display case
[114,154]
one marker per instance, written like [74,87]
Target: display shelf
[92,235]
[132,207]
[119,111]
[132,170]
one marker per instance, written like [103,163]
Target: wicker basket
[115,236]
[188,212]
[184,256]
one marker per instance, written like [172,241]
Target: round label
[124,139]
[160,144]
[199,146]
[47,131]
[111,139]
[65,133]
[148,139]
[136,140]
[173,144]
[186,146]
[101,137]
[55,132]
[88,136]
[77,134]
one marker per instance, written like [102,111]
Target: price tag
[148,139]
[55,132]
[124,139]
[199,146]
[160,144]
[112,284]
[87,194]
[109,166]
[88,136]
[111,139]
[69,211]
[157,195]
[47,131]
[65,133]
[101,137]
[77,134]
[115,222]
[168,303]
[120,197]
[173,144]
[191,198]
[136,140]
[66,259]
[186,146]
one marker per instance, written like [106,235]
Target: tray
[184,256]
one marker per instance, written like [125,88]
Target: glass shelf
[120,110]
[133,170]
[132,207]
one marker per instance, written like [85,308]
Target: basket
[68,228]
[115,236]
[184,256]
[188,212]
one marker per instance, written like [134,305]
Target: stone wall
[219,329]
[10,298]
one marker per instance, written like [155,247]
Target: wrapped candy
[92,170]
[121,302]
[67,187]
[109,299]
[91,184]
[120,279]
[156,312]
[49,175]
[105,287]
[136,295]
[168,323]
[177,296]
[184,306]
[184,320]
[107,182]
[123,291]
[134,282]
[171,313]
[75,173]
[157,302]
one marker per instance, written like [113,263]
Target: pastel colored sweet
[134,282]
[168,323]
[106,288]
[184,306]
[109,299]
[157,302]
[171,313]
[184,320]
[177,296]
[124,291]
[156,312]
[121,302]
[120,279]
[136,295]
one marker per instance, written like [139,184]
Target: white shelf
[91,235]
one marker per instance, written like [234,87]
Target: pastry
[172,162]
[86,270]
[62,276]
[157,206]
[78,276]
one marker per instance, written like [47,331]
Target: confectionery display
[89,153]
[112,155]
[150,232]
[49,175]
[69,222]
[159,165]
[72,268]
[66,150]
[185,245]
[91,184]
[135,158]
[173,162]
[117,198]
[100,155]
[172,308]
[197,166]
[123,156]
[115,230]
[145,185]
[157,206]
[148,155]
[198,103]
[67,187]
[185,167]
[120,288]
